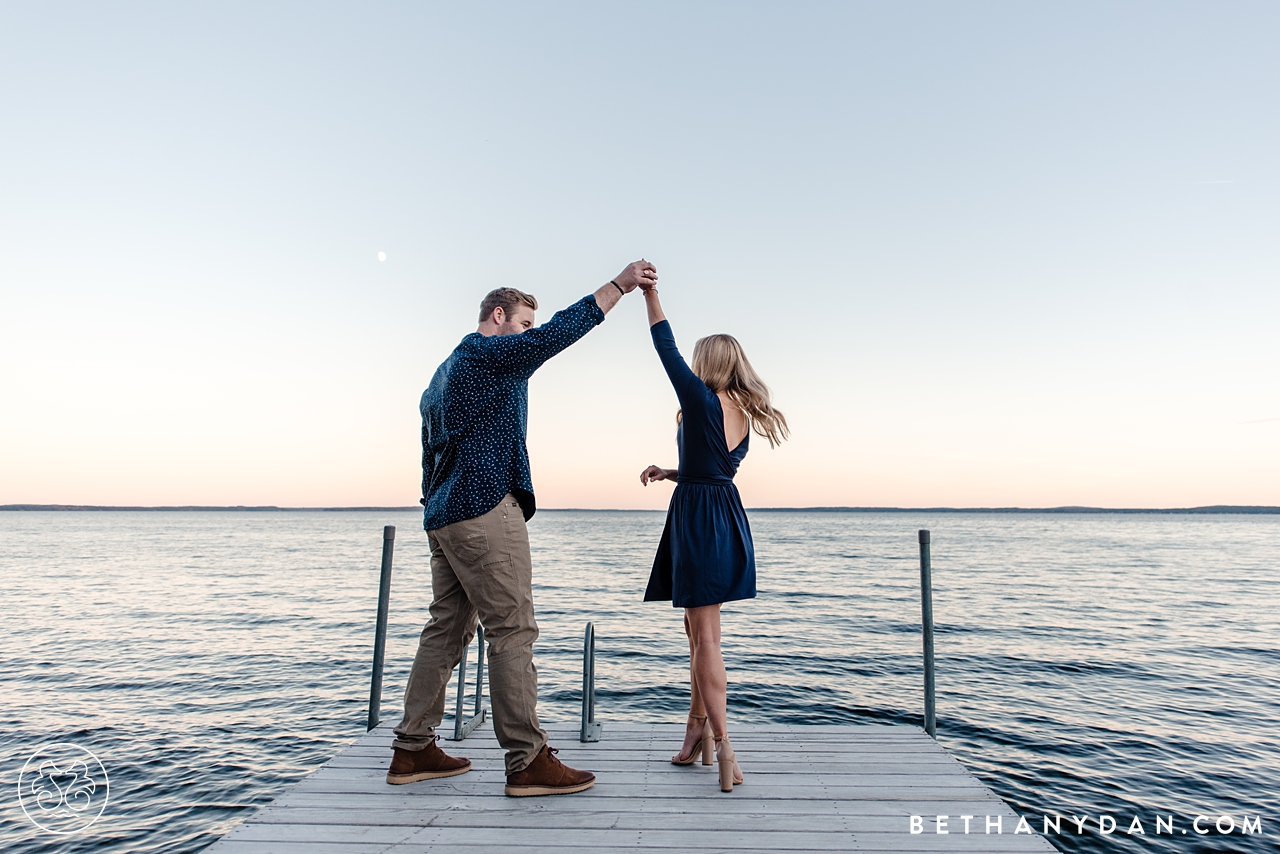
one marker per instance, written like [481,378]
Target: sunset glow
[1023,257]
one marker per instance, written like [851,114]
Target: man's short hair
[506,299]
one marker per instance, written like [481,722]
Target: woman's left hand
[653,473]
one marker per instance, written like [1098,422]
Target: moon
[382,256]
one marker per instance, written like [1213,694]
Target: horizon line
[1250,509]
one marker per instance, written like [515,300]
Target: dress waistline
[710,480]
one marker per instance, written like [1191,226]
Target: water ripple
[1086,664]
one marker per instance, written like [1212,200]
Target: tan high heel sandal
[703,748]
[726,757]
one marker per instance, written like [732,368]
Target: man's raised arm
[525,352]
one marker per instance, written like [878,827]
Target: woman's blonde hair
[721,363]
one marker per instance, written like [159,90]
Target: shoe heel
[701,748]
[724,756]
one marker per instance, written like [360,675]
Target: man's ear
[499,315]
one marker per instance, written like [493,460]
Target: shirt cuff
[594,308]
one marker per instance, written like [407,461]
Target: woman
[706,557]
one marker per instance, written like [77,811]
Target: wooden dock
[807,789]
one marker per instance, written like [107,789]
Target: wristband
[618,286]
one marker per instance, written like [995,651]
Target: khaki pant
[479,568]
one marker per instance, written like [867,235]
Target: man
[478,494]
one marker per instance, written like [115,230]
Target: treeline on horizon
[1208,510]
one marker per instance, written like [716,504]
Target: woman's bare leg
[695,696]
[693,728]
[708,666]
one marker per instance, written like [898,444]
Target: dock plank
[808,789]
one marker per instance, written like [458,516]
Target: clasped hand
[638,274]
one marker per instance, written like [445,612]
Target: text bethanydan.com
[1104,825]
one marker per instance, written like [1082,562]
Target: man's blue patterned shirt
[475,417]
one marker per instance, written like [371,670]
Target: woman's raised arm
[655,308]
[689,389]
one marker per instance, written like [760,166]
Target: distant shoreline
[1216,509]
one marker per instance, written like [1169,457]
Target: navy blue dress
[705,556]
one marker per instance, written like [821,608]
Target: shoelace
[556,763]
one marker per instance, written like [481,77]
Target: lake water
[1126,665]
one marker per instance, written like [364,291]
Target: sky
[985,254]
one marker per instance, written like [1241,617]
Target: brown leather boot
[547,775]
[410,766]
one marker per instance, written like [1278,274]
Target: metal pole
[380,638]
[479,669]
[590,730]
[462,688]
[463,727]
[926,620]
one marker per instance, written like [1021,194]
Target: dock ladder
[590,729]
